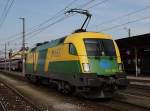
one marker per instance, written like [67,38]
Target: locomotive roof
[78,36]
[51,43]
[72,37]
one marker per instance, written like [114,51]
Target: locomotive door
[33,68]
[35,59]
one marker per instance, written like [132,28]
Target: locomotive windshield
[99,47]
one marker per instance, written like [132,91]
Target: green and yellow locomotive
[85,62]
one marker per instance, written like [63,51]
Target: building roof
[139,41]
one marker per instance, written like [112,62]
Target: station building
[135,54]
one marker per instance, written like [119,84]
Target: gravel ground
[49,99]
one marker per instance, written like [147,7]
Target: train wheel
[34,79]
[31,78]
[27,77]
[65,87]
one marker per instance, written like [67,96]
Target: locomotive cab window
[99,47]
[72,49]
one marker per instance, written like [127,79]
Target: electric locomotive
[87,63]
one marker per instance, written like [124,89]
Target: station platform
[13,73]
[139,81]
[139,78]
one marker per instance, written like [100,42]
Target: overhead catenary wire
[12,37]
[56,15]
[118,18]
[80,6]
[59,20]
[39,25]
[43,28]
[129,22]
[85,4]
[96,4]
[42,23]
[122,16]
[61,12]
[36,31]
[39,30]
[4,10]
[7,8]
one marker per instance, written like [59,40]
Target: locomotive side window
[72,49]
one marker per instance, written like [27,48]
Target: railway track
[126,102]
[12,100]
[137,100]
[138,91]
[123,106]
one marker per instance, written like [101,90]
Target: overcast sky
[38,11]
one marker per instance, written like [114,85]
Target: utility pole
[136,62]
[5,55]
[129,32]
[10,54]
[23,46]
[135,53]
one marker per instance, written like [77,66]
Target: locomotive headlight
[120,67]
[86,67]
